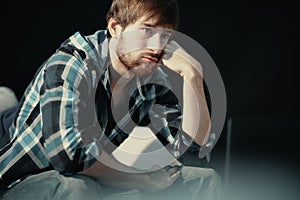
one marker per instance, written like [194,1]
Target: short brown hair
[129,11]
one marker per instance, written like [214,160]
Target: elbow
[199,134]
[62,163]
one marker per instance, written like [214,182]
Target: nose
[156,43]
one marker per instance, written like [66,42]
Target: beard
[139,65]
[139,62]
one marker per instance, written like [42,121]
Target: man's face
[141,45]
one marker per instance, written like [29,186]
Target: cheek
[129,44]
[128,53]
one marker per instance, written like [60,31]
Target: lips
[150,58]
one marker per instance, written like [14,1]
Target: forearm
[104,170]
[196,118]
[149,181]
[107,165]
[107,175]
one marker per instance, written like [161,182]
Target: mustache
[157,56]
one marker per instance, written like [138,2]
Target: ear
[114,27]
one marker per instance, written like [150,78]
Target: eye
[147,31]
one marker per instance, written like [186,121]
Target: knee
[204,182]
[212,176]
[212,173]
[31,187]
[55,186]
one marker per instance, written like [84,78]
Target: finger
[173,45]
[167,55]
[175,175]
[174,169]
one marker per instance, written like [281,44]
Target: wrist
[192,74]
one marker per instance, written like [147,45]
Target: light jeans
[195,184]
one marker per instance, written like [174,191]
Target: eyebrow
[149,25]
[154,25]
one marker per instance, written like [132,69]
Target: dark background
[254,44]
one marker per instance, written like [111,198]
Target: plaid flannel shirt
[64,119]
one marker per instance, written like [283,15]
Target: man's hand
[162,179]
[179,61]
[147,181]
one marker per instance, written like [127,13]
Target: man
[72,117]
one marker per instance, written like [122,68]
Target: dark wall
[253,44]
[32,30]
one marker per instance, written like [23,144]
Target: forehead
[147,20]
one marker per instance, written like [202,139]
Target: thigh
[54,186]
